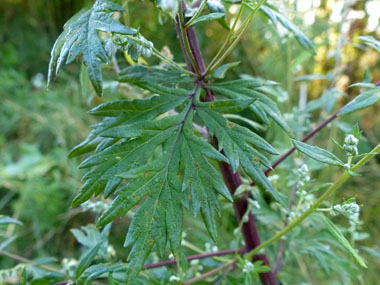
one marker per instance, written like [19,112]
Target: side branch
[306,138]
[315,206]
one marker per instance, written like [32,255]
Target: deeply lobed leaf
[238,144]
[81,37]
[262,107]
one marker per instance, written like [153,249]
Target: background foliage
[39,127]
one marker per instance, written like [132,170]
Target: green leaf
[6,242]
[95,271]
[367,76]
[121,156]
[268,12]
[143,232]
[143,75]
[220,72]
[355,131]
[337,234]
[349,201]
[226,106]
[371,41]
[124,113]
[5,220]
[216,6]
[337,144]
[239,145]
[248,88]
[144,128]
[86,259]
[208,17]
[353,174]
[242,83]
[154,182]
[373,252]
[202,178]
[363,85]
[160,216]
[364,100]
[317,153]
[81,37]
[84,82]
[319,187]
[275,16]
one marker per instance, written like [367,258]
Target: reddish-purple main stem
[232,180]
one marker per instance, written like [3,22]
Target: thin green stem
[159,55]
[313,207]
[228,38]
[171,62]
[200,251]
[24,260]
[240,33]
[324,209]
[197,14]
[210,273]
[235,22]
[299,204]
[184,38]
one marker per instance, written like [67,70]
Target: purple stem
[232,180]
[278,263]
[195,50]
[249,229]
[188,63]
[193,257]
[196,4]
[306,138]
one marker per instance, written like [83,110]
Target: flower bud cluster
[304,178]
[169,6]
[292,215]
[248,267]
[303,194]
[195,268]
[96,207]
[253,203]
[349,210]
[136,45]
[139,46]
[301,209]
[210,248]
[351,145]
[111,251]
[69,264]
[174,279]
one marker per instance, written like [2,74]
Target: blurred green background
[38,127]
